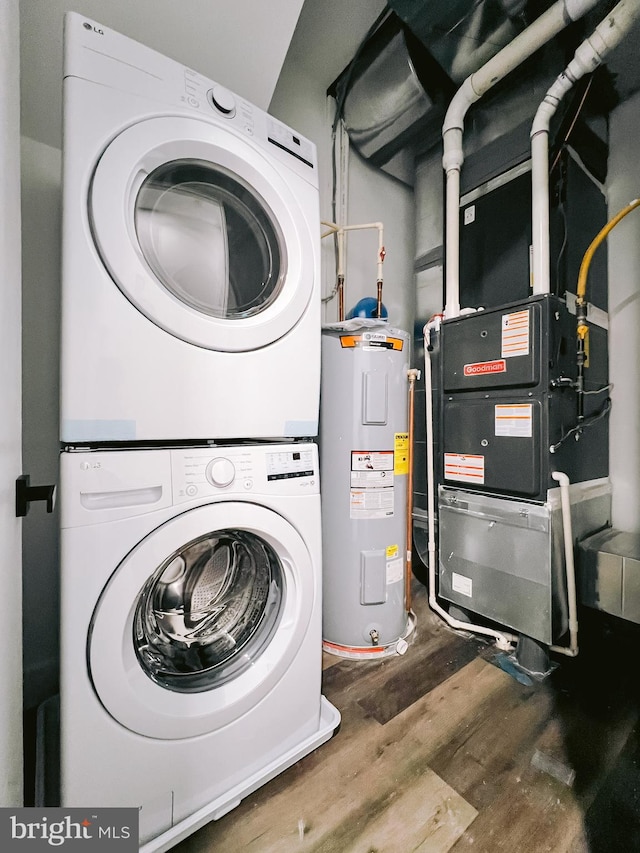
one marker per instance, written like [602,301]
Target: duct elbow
[547,109]
[459,106]
[561,478]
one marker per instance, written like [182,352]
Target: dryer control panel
[252,469]
[102,55]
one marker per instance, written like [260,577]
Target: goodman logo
[481,368]
[34,829]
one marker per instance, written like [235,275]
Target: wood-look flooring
[443,750]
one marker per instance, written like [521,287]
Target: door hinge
[26,494]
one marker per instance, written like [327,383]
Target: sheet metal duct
[392,94]
[462,35]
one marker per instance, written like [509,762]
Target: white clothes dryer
[190,255]
[190,628]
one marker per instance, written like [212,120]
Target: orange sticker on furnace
[465,468]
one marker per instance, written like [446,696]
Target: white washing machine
[190,268]
[190,628]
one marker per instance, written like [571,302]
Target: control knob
[222,99]
[220,472]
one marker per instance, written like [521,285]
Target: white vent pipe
[587,58]
[567,530]
[549,24]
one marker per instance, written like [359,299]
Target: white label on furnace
[464,468]
[515,334]
[371,503]
[372,460]
[462,584]
[395,570]
[515,420]
[470,214]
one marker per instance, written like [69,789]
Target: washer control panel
[240,470]
[286,464]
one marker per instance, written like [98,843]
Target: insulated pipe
[591,53]
[379,299]
[567,529]
[549,24]
[339,231]
[412,375]
[340,287]
[381,256]
[503,640]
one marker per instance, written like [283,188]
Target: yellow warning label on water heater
[401,454]
[392,551]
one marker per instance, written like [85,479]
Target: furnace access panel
[508,398]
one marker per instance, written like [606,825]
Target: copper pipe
[413,374]
[340,289]
[379,307]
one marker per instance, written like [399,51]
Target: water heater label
[372,340]
[515,334]
[464,468]
[514,420]
[371,479]
[372,460]
[401,453]
[481,368]
[371,503]
[395,570]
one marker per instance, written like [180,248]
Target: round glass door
[209,239]
[208,611]
[204,234]
[201,620]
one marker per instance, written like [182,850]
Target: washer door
[201,620]
[201,232]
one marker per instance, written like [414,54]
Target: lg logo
[89,26]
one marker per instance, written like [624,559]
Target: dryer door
[206,236]
[201,620]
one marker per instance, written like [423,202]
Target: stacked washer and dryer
[190,505]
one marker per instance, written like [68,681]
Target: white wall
[300,101]
[10,464]
[623,185]
[41,213]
